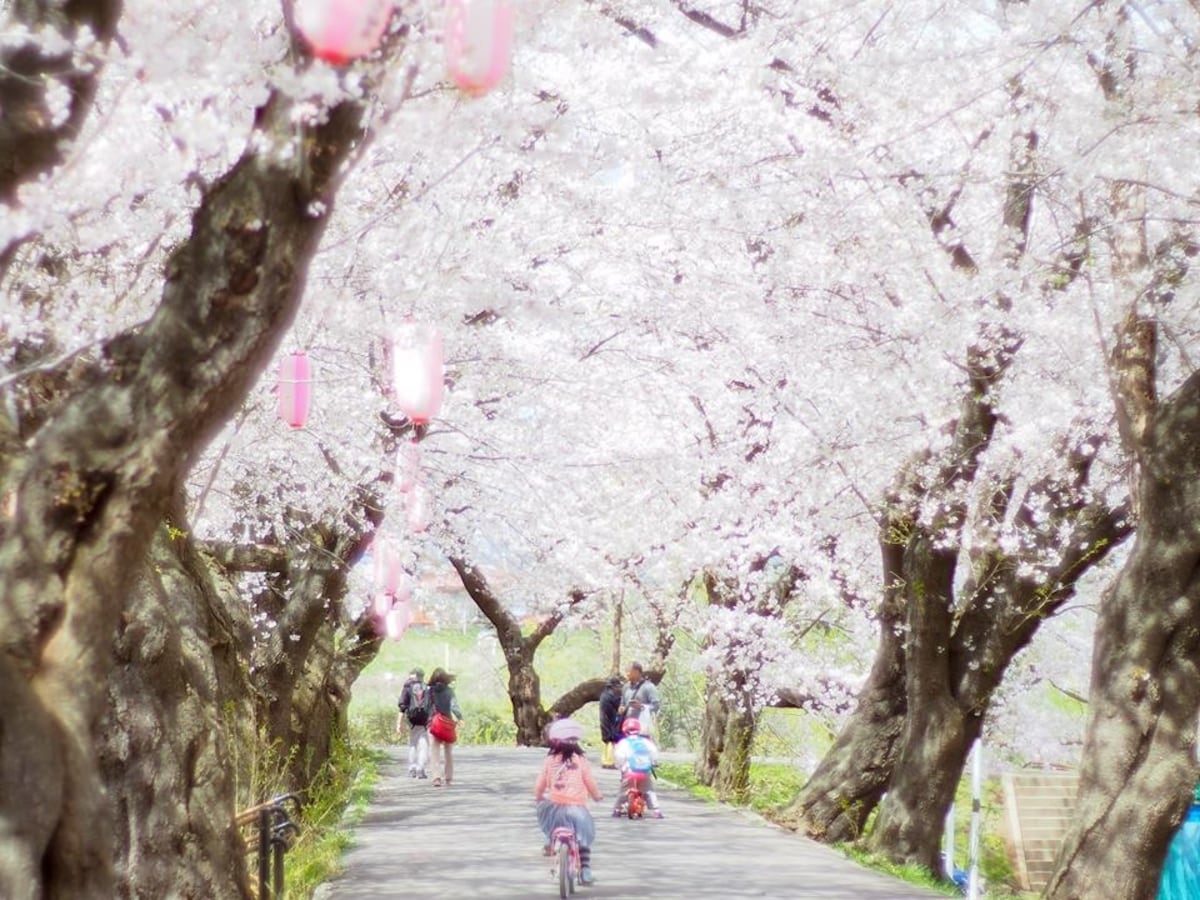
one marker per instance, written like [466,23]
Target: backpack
[418,705]
[640,757]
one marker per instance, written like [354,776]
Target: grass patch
[772,785]
[337,801]
[912,874]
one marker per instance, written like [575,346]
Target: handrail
[275,833]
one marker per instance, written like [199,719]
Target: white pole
[976,791]
[948,844]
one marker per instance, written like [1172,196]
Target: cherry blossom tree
[718,282]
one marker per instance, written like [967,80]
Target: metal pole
[948,844]
[280,844]
[264,852]
[976,811]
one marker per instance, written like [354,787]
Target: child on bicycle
[636,756]
[562,790]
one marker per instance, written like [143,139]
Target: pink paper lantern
[408,466]
[417,371]
[478,43]
[338,31]
[381,605]
[417,509]
[295,389]
[389,573]
[396,622]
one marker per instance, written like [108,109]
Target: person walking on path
[414,710]
[562,790]
[610,720]
[442,700]
[640,698]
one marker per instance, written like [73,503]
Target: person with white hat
[562,790]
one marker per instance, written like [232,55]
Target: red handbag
[443,728]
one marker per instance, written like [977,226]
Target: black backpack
[418,705]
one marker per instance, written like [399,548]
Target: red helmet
[631,726]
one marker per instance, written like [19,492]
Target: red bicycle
[564,848]
[633,802]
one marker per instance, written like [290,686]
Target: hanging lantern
[417,371]
[389,573]
[381,605]
[295,389]
[478,43]
[408,466]
[396,622]
[417,511]
[338,31]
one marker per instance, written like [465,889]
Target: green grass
[337,801]
[481,677]
[772,785]
[917,875]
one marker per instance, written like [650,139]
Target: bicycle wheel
[573,877]
[564,870]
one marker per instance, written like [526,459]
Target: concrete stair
[1038,807]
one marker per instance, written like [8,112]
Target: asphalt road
[479,838]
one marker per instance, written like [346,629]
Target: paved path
[479,838]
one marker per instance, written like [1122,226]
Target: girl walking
[443,701]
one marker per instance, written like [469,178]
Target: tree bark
[731,711]
[726,736]
[164,754]
[834,804]
[1139,766]
[934,727]
[93,481]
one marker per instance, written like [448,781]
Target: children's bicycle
[564,848]
[633,802]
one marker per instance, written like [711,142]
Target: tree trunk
[908,829]
[164,755]
[301,680]
[834,804]
[726,738]
[524,686]
[618,617]
[94,478]
[1139,764]
[934,746]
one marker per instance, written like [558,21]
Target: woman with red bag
[443,722]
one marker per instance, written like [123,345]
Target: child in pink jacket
[562,791]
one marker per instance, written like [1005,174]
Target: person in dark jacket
[610,720]
[442,700]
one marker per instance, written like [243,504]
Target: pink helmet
[631,726]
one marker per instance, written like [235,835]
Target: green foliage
[682,694]
[912,874]
[375,725]
[772,785]
[335,802]
[487,726]
[683,775]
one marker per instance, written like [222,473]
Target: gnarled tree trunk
[92,482]
[1139,765]
[834,804]
[726,735]
[524,686]
[165,756]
